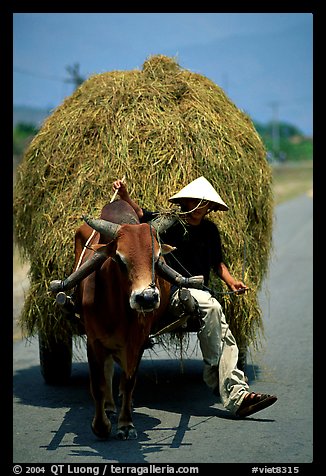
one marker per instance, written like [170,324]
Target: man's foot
[254,402]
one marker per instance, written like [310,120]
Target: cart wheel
[55,359]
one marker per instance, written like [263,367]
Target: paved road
[178,419]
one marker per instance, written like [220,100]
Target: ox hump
[119,212]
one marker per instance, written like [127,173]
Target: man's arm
[120,186]
[232,283]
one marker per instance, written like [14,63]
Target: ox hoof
[112,415]
[102,431]
[127,433]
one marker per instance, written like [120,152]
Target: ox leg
[101,425]
[126,429]
[109,373]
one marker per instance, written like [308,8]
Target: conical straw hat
[202,190]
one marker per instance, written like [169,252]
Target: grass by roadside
[291,180]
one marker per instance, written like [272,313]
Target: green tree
[22,135]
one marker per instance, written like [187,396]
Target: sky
[263,61]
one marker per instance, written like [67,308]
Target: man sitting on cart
[198,251]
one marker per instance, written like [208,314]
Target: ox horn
[163,222]
[107,229]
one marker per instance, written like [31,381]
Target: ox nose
[147,300]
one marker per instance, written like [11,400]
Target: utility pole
[76,78]
[275,128]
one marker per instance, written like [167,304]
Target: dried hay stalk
[161,127]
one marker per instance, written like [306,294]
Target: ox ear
[165,249]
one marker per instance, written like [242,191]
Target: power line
[39,75]
[76,78]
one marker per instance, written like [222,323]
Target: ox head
[135,249]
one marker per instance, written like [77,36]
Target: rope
[153,258]
[84,249]
[244,259]
[179,322]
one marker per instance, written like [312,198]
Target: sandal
[254,402]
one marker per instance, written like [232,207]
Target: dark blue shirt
[198,248]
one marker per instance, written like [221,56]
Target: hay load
[161,127]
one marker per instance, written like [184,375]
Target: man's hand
[121,189]
[238,287]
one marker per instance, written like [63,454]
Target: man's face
[197,209]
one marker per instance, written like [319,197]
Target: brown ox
[119,302]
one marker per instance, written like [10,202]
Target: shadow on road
[161,387]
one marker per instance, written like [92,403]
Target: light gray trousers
[219,350]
